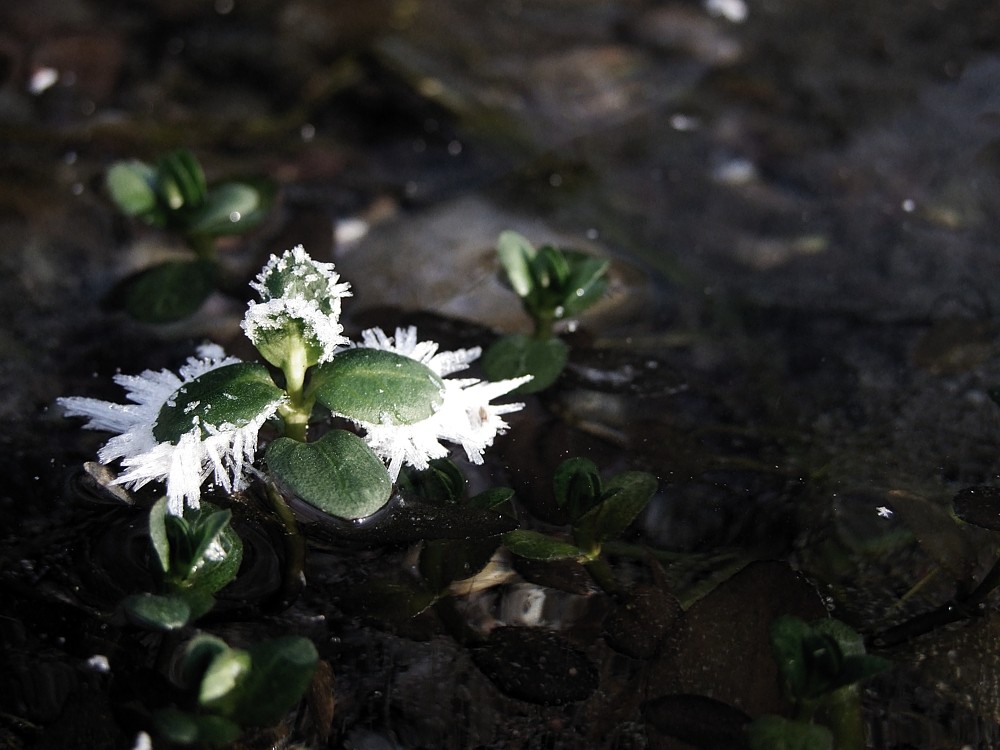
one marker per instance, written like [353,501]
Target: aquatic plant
[173,195]
[599,511]
[821,665]
[554,284]
[393,390]
[229,688]
[196,554]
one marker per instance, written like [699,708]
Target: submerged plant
[554,284]
[173,195]
[821,665]
[599,511]
[229,688]
[196,554]
[392,395]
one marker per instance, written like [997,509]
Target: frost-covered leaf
[377,386]
[338,474]
[226,398]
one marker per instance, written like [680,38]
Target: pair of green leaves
[598,511]
[339,474]
[235,688]
[197,555]
[174,195]
[553,284]
[819,658]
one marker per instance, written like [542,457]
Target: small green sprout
[554,284]
[821,665]
[233,688]
[598,512]
[197,554]
[173,195]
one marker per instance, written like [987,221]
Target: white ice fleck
[99,663]
[42,79]
[732,10]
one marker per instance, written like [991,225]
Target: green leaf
[180,180]
[227,397]
[165,293]
[158,533]
[199,600]
[788,635]
[585,284]
[131,185]
[624,498]
[533,545]
[516,355]
[375,386]
[779,733]
[550,268]
[516,254]
[441,483]
[205,529]
[220,683]
[338,474]
[229,208]
[187,729]
[212,575]
[492,499]
[282,670]
[577,485]
[168,612]
[198,654]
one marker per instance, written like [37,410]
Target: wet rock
[685,30]
[640,620]
[536,666]
[444,260]
[702,722]
[722,648]
[979,506]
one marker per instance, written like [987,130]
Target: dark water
[801,209]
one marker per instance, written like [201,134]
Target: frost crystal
[300,298]
[465,416]
[225,451]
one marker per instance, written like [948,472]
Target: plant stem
[600,571]
[544,323]
[295,544]
[203,246]
[297,410]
